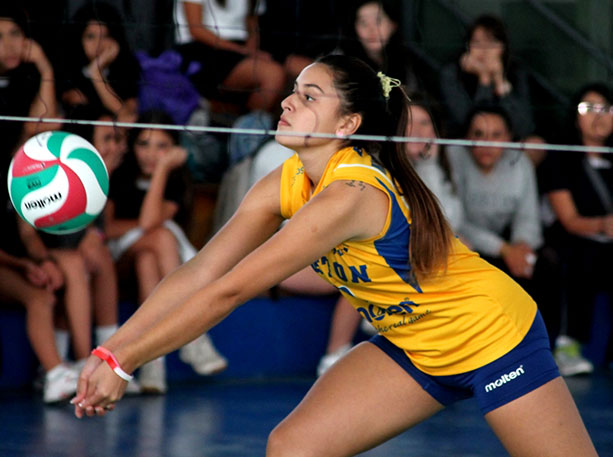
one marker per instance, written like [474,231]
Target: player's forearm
[128,111]
[152,212]
[10,260]
[205,36]
[109,98]
[44,105]
[584,226]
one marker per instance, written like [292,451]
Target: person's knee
[97,256]
[145,259]
[272,74]
[41,301]
[100,261]
[283,443]
[277,444]
[162,238]
[294,64]
[72,263]
[70,258]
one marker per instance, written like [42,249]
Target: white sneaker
[60,383]
[330,359]
[569,359]
[202,356]
[152,377]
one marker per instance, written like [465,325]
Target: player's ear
[349,124]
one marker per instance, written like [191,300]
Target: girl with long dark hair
[99,67]
[579,188]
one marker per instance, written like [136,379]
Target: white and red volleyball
[58,182]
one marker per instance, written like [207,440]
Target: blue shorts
[527,366]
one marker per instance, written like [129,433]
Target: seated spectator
[579,188]
[85,261]
[146,194]
[27,82]
[502,222]
[90,280]
[35,283]
[109,140]
[90,286]
[223,38]
[372,35]
[98,66]
[430,159]
[486,74]
[62,250]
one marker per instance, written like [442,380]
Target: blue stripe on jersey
[394,245]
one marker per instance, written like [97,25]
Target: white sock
[62,341]
[51,373]
[104,332]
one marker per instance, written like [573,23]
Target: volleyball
[58,182]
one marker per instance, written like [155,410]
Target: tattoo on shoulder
[359,184]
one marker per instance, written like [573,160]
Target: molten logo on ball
[58,182]
[42,203]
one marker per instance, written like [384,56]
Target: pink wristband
[106,355]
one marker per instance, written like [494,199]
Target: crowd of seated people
[68,284]
[546,221]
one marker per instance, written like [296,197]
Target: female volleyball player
[450,325]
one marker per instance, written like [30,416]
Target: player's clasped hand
[97,390]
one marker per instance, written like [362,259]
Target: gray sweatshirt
[506,197]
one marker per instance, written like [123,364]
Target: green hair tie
[387,84]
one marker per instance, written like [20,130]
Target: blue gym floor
[230,418]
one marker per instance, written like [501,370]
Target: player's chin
[286,140]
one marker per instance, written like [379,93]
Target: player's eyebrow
[310,85]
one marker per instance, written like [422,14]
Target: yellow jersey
[450,323]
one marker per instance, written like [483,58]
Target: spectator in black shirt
[579,188]
[26,82]
[98,65]
[486,74]
[371,34]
